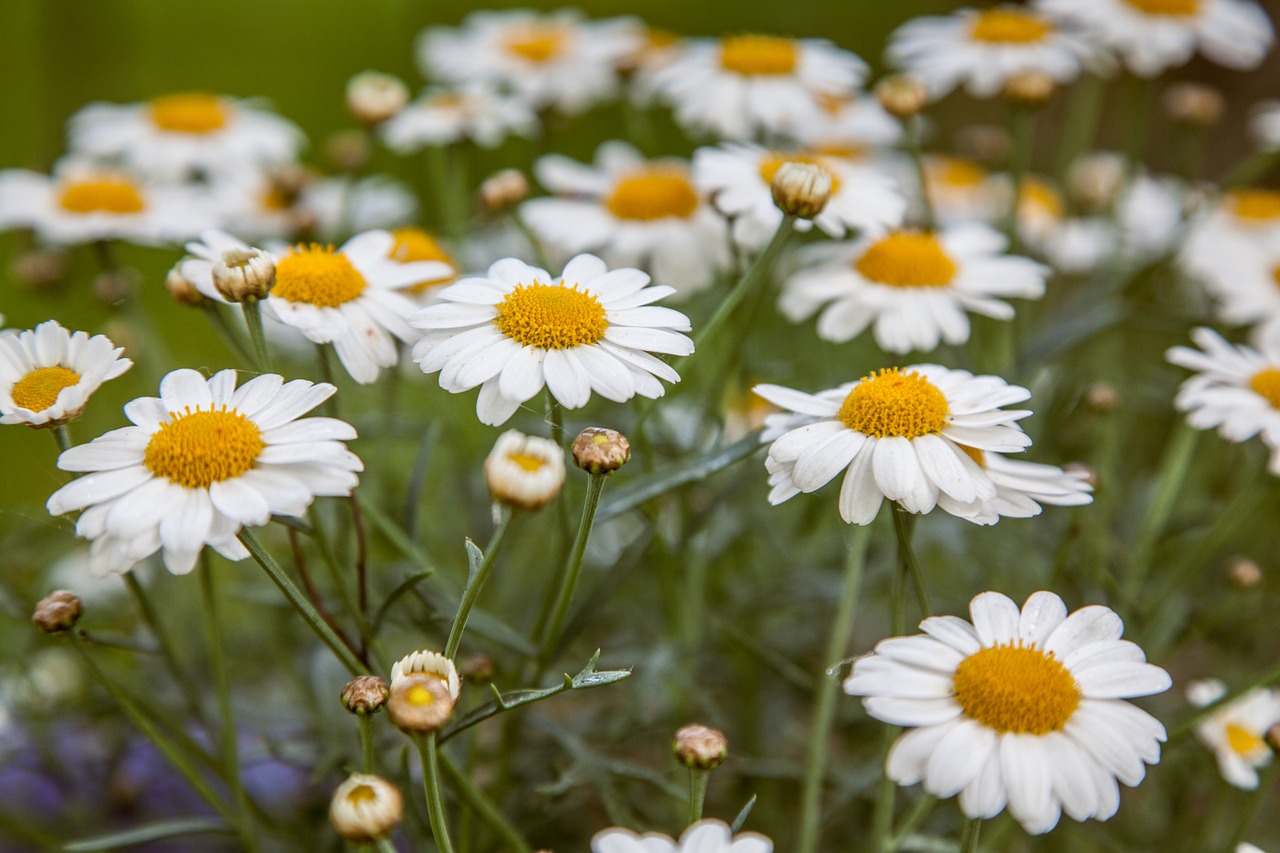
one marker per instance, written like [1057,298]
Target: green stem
[913,820]
[969,835]
[757,272]
[555,414]
[475,583]
[253,321]
[915,132]
[365,724]
[904,525]
[1081,124]
[63,437]
[698,780]
[882,815]
[1257,797]
[431,789]
[1138,110]
[483,806]
[560,610]
[1022,122]
[213,311]
[152,618]
[300,603]
[385,845]
[1251,168]
[1169,479]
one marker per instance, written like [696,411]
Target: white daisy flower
[555,59]
[200,462]
[654,50]
[851,127]
[982,50]
[1020,488]
[517,329]
[1236,731]
[633,213]
[914,287]
[1150,213]
[1040,208]
[174,137]
[896,434]
[1264,124]
[739,178]
[337,207]
[1236,389]
[961,190]
[443,116]
[1242,221]
[745,86]
[705,836]
[1080,245]
[47,374]
[428,663]
[1245,285]
[1150,36]
[413,244]
[1018,708]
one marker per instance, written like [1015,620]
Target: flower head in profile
[1021,488]
[365,808]
[201,461]
[705,836]
[1018,708]
[524,471]
[519,329]
[424,692]
[1236,730]
[47,374]
[443,116]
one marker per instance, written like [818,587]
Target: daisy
[47,374]
[633,213]
[200,462]
[750,85]
[1236,731]
[982,50]
[517,329]
[1245,285]
[1237,389]
[1040,209]
[897,434]
[1264,124]
[554,59]
[176,136]
[1018,708]
[654,50]
[337,207]
[961,190]
[424,662]
[914,287]
[443,116]
[1020,488]
[413,244]
[1080,245]
[739,177]
[850,127]
[1150,36]
[1243,220]
[705,836]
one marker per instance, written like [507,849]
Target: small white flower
[850,127]
[1236,731]
[47,374]
[962,190]
[1264,124]
[705,836]
[1021,487]
[1243,221]
[1019,708]
[524,471]
[428,663]
[1245,285]
[365,808]
[442,116]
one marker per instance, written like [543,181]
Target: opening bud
[598,450]
[801,189]
[373,97]
[524,471]
[700,747]
[1193,104]
[182,288]
[57,612]
[365,808]
[502,191]
[902,95]
[244,275]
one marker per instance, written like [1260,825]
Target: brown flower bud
[1102,397]
[1029,88]
[39,268]
[902,95]
[700,747]
[1245,573]
[365,694]
[57,612]
[374,97]
[182,288]
[502,191]
[802,189]
[597,450]
[478,668]
[244,275]
[1193,104]
[420,703]
[986,143]
[365,808]
[348,150]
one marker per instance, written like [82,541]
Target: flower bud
[1193,104]
[182,288]
[348,150]
[57,612]
[39,268]
[524,471]
[1095,180]
[478,668]
[373,97]
[700,747]
[365,694]
[1102,397]
[244,275]
[1029,88]
[801,189]
[1245,573]
[902,95]
[597,450]
[420,703]
[365,808]
[502,191]
[1272,737]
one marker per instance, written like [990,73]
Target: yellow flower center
[1166,7]
[362,794]
[758,55]
[413,244]
[527,461]
[200,448]
[1256,204]
[1242,741]
[1012,688]
[1009,26]
[978,456]
[1039,196]
[319,275]
[537,43]
[957,172]
[38,390]
[894,403]
[192,112]
[101,195]
[420,694]
[1267,384]
[656,192]
[775,160]
[274,200]
[551,316]
[907,259]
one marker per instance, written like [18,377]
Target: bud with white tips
[502,191]
[902,95]
[365,808]
[244,275]
[1193,104]
[524,471]
[424,691]
[373,97]
[802,189]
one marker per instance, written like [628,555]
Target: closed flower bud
[700,747]
[524,471]
[802,189]
[1245,573]
[502,191]
[57,612]
[39,268]
[1193,104]
[244,275]
[478,668]
[348,150]
[901,95]
[424,690]
[182,288]
[1102,397]
[365,694]
[597,450]
[1095,179]
[373,97]
[1029,88]
[365,808]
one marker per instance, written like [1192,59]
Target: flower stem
[1169,479]
[555,414]
[385,845]
[431,789]
[824,711]
[476,582]
[904,525]
[755,273]
[698,780]
[915,132]
[551,635]
[213,311]
[253,321]
[365,723]
[1021,133]
[152,618]
[483,806]
[1081,124]
[969,835]
[882,815]
[63,437]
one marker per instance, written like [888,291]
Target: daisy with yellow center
[897,434]
[632,212]
[430,663]
[518,329]
[200,462]
[1244,283]
[524,471]
[1236,731]
[47,374]
[1243,222]
[443,116]
[982,50]
[704,836]
[962,190]
[1018,708]
[1021,488]
[412,245]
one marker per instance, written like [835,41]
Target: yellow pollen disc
[319,275]
[846,152]
[1016,689]
[101,195]
[758,56]
[361,794]
[907,259]
[527,461]
[1242,741]
[894,403]
[189,113]
[653,193]
[537,43]
[419,694]
[775,160]
[413,244]
[956,172]
[1038,195]
[1267,384]
[197,449]
[1009,26]
[551,316]
[38,390]
[978,456]
[1166,7]
[274,200]
[1255,204]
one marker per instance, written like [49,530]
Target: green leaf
[154,832]
[742,815]
[474,558]
[645,489]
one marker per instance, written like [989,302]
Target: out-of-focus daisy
[851,127]
[174,137]
[981,50]
[1236,731]
[895,434]
[443,116]
[518,329]
[1150,36]
[739,179]
[654,50]
[750,85]
[1245,285]
[705,836]
[1040,210]
[962,190]
[47,374]
[413,244]
[1019,708]
[633,213]
[200,462]
[555,59]
[1080,244]
[915,287]
[1150,214]
[334,208]
[1242,221]
[1021,487]
[1236,389]
[1264,124]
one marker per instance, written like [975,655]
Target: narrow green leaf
[742,815]
[154,832]
[644,489]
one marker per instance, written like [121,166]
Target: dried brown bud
[901,95]
[1245,573]
[478,668]
[365,694]
[365,808]
[1029,88]
[802,189]
[700,747]
[1102,397]
[244,275]
[57,612]
[597,450]
[987,143]
[348,150]
[374,97]
[420,703]
[502,191]
[1193,104]
[113,287]
[39,268]
[182,288]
